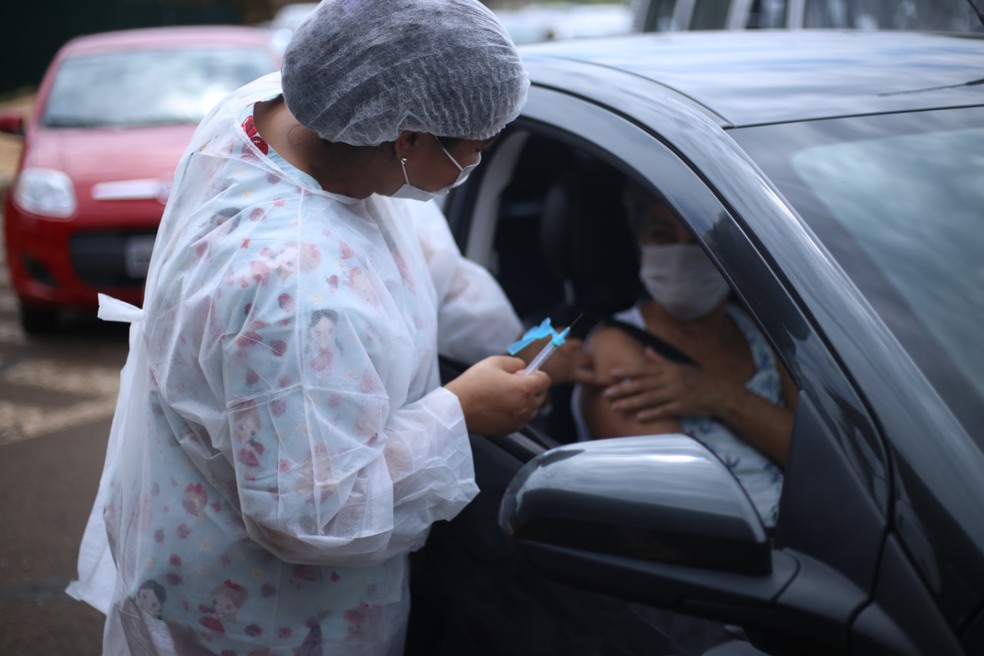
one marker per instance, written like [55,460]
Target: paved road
[56,402]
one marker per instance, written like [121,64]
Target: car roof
[766,76]
[166,37]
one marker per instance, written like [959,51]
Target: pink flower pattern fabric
[282,441]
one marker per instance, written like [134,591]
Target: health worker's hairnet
[362,71]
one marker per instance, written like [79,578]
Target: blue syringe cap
[537,333]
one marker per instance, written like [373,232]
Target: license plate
[136,255]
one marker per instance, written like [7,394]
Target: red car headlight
[48,192]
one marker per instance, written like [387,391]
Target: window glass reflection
[913,204]
[709,15]
[934,15]
[898,200]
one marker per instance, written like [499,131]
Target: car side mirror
[660,521]
[662,499]
[12,121]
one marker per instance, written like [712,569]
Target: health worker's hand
[495,399]
[657,388]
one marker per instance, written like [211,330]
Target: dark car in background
[542,21]
[926,15]
[836,179]
[111,118]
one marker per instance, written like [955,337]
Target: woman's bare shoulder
[611,337]
[610,347]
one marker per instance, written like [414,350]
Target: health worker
[282,439]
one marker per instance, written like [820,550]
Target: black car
[837,181]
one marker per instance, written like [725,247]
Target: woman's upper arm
[611,348]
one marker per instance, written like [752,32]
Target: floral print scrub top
[282,441]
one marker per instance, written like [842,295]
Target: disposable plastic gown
[282,441]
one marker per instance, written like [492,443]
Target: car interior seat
[530,286]
[588,246]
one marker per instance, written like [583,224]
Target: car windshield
[127,89]
[899,202]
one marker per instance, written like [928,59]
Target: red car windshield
[127,89]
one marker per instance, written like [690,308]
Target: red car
[111,118]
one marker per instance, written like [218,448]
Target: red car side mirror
[12,121]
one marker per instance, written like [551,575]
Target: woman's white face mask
[416,193]
[682,279]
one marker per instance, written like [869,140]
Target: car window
[495,221]
[934,15]
[767,14]
[709,15]
[899,207]
[941,15]
[563,248]
[147,88]
[655,16]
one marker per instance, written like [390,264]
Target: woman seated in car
[686,359]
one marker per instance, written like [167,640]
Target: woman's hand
[657,388]
[495,398]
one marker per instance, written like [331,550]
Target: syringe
[537,333]
[548,350]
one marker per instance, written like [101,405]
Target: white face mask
[682,279]
[416,193]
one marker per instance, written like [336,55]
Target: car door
[504,596]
